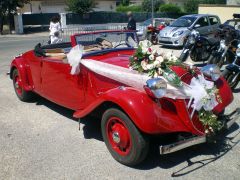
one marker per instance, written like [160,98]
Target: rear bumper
[170,148]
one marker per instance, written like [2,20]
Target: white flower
[144,50]
[160,59]
[154,52]
[144,65]
[160,71]
[157,63]
[151,57]
[150,66]
[145,44]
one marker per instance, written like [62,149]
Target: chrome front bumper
[170,148]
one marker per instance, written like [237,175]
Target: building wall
[59,6]
[224,12]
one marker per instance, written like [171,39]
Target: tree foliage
[132,8]
[147,5]
[80,6]
[8,8]
[125,2]
[191,6]
[170,8]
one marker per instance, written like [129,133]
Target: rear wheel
[123,140]
[18,87]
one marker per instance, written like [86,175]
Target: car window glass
[147,22]
[108,40]
[203,21]
[186,21]
[213,20]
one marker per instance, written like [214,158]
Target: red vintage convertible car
[129,116]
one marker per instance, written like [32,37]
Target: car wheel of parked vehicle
[18,87]
[229,76]
[124,141]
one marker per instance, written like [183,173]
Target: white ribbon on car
[196,91]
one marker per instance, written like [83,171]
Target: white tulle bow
[200,91]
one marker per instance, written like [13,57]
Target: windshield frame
[75,39]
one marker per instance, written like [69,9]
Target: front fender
[147,114]
[19,64]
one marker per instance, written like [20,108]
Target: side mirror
[197,26]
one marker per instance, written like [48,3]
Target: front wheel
[18,87]
[124,141]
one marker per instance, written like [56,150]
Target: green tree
[80,6]
[132,8]
[191,6]
[213,1]
[170,8]
[125,2]
[7,9]
[147,5]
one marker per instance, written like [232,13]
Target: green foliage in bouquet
[210,121]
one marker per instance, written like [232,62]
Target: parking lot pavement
[41,140]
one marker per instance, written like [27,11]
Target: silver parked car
[176,33]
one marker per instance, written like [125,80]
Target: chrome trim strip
[170,148]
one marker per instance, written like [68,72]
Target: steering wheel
[123,43]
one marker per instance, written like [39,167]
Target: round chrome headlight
[157,86]
[212,71]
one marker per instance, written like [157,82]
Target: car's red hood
[119,58]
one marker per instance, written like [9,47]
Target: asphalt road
[41,140]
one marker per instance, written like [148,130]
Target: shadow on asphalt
[91,128]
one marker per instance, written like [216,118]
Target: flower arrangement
[154,63]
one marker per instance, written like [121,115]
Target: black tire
[23,95]
[229,76]
[139,144]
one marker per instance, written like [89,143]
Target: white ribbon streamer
[196,91]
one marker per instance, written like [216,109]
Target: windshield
[107,40]
[183,22]
[146,23]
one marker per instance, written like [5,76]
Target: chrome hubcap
[116,137]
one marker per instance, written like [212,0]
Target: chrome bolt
[116,137]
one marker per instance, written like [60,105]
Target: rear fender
[19,64]
[147,114]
